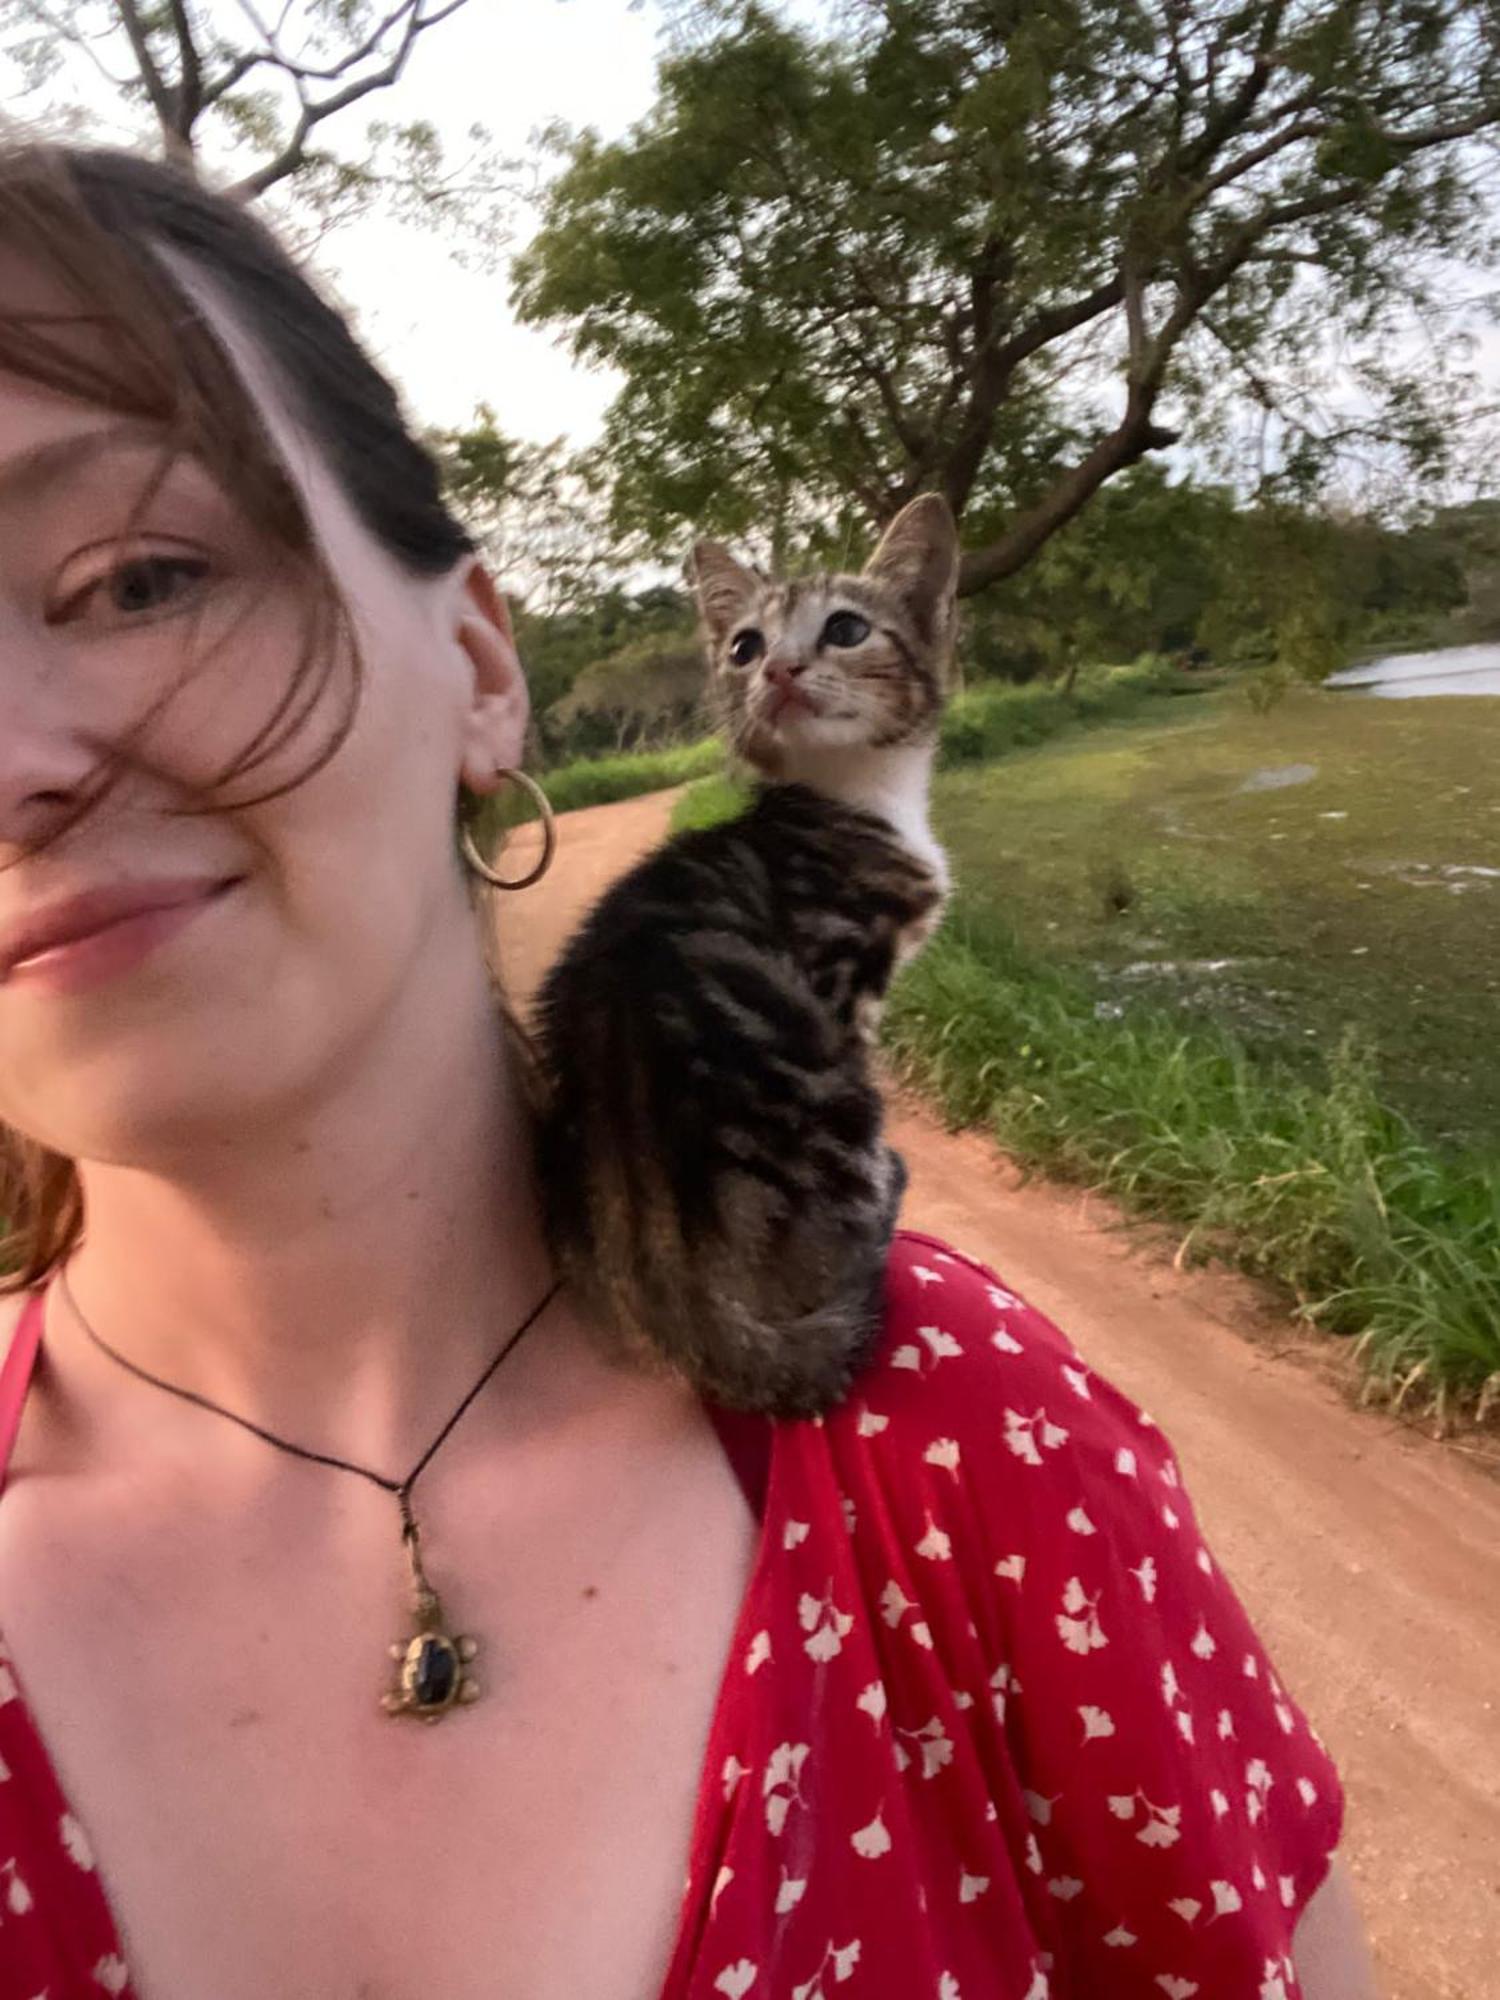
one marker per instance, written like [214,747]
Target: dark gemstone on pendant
[436,1680]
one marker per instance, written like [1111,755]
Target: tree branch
[156,87]
[1221,125]
[188,95]
[313,113]
[991,383]
[64,30]
[1131,439]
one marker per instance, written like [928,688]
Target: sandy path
[1369,1557]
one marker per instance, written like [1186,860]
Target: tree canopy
[1008,248]
[255,93]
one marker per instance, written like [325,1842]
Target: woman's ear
[494,730]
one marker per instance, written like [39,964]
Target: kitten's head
[833,662]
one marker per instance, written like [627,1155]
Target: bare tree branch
[156,87]
[188,96]
[313,114]
[65,30]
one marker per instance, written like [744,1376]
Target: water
[1279,778]
[1451,670]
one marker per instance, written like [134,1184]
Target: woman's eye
[846,628]
[149,582]
[137,587]
[746,647]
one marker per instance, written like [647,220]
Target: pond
[1450,670]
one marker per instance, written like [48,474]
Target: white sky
[446,335]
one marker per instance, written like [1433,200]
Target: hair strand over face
[103,230]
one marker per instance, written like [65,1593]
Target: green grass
[1314,1184]
[599,781]
[999,717]
[709,801]
[1365,897]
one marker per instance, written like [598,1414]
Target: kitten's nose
[781,672]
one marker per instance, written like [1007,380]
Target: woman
[956,1706]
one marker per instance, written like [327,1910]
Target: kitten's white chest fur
[894,783]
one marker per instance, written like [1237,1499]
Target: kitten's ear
[722,586]
[918,559]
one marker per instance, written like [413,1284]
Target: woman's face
[225,967]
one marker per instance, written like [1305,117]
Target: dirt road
[1369,1557]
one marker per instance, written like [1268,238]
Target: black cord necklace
[431,1679]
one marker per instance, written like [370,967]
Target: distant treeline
[1154,566]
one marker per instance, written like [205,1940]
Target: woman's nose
[46,765]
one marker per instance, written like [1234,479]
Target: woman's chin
[146,1113]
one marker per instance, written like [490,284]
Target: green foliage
[710,801]
[1136,572]
[1315,1185]
[599,781]
[649,691]
[1165,566]
[834,270]
[536,510]
[1303,588]
[582,649]
[989,721]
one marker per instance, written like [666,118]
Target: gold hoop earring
[475,862]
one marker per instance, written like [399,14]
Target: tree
[255,93]
[1138,571]
[651,692]
[992,246]
[654,693]
[537,510]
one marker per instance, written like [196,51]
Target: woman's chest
[262,1827]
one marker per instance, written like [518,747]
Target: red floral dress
[993,1726]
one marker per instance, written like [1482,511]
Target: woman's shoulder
[1026,1525]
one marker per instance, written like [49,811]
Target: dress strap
[15,1376]
[747,1441]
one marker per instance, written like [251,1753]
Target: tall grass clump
[710,800]
[996,717]
[1317,1186]
[600,781]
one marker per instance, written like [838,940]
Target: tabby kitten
[715,1185]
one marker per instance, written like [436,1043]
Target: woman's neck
[342,1276]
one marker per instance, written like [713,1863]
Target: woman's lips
[105,943]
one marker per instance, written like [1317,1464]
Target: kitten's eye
[746,647]
[845,628]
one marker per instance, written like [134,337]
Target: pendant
[431,1679]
